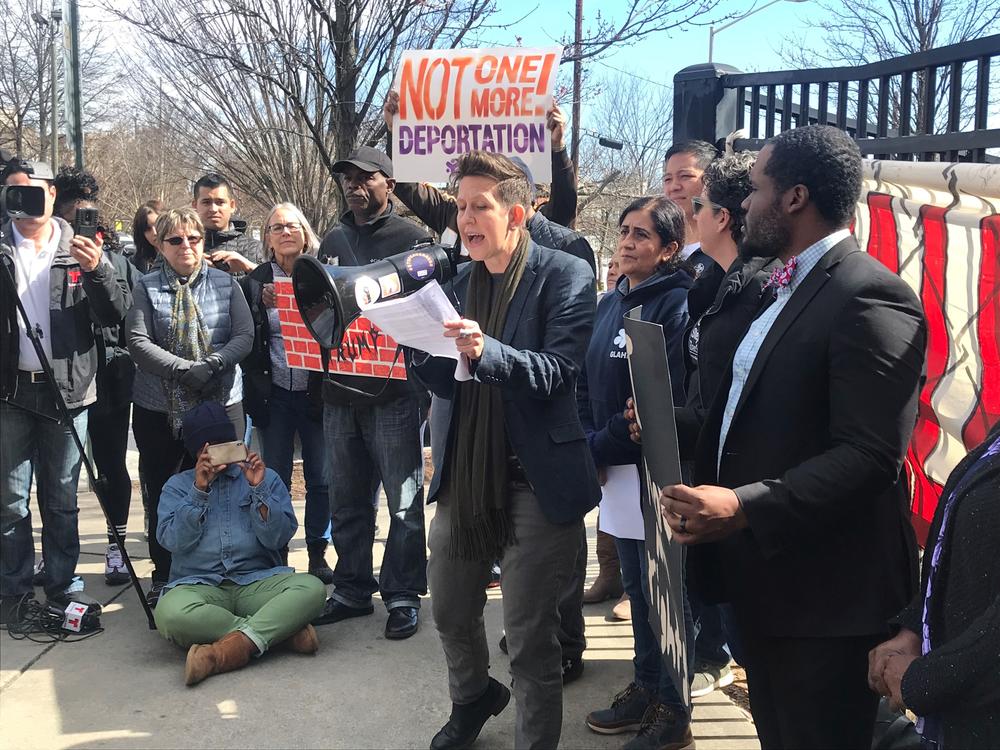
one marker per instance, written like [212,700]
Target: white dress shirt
[747,351]
[34,290]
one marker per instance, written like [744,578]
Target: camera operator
[66,284]
[226,604]
[108,418]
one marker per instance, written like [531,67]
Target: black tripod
[98,483]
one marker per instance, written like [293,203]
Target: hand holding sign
[453,101]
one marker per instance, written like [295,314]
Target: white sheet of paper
[416,321]
[621,512]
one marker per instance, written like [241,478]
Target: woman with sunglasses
[283,400]
[188,329]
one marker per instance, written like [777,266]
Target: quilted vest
[212,290]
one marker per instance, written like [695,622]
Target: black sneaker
[663,728]
[572,669]
[625,713]
[12,608]
[38,576]
[154,593]
[467,720]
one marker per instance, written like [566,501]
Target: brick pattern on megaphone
[366,350]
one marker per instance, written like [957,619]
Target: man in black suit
[513,476]
[799,498]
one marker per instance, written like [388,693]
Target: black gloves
[201,373]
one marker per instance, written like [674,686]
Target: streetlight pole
[712,31]
[43,25]
[56,18]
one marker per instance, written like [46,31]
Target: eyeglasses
[699,203]
[192,240]
[292,226]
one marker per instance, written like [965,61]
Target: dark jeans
[291,413]
[366,445]
[162,456]
[39,447]
[648,662]
[710,643]
[108,432]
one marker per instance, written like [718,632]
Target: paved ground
[124,688]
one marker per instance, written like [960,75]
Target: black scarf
[476,483]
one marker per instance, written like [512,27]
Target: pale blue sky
[752,44]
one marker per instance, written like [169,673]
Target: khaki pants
[536,572]
[267,612]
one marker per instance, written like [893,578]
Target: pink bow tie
[782,276]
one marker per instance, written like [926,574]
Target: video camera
[22,201]
[330,298]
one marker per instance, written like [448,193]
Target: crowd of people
[795,361]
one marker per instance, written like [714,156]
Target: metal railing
[928,106]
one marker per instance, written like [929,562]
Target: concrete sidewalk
[124,688]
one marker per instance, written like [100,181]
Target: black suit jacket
[814,452]
[535,363]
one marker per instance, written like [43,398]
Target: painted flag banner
[454,101]
[937,225]
[365,350]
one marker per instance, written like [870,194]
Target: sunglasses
[699,203]
[192,240]
[292,227]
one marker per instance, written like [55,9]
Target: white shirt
[34,290]
[688,250]
[746,352]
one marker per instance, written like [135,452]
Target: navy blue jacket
[535,363]
[605,384]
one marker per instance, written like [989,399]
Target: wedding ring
[683,524]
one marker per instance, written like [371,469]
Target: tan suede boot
[608,584]
[232,651]
[622,611]
[304,641]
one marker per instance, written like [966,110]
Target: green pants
[267,612]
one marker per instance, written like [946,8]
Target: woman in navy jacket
[650,234]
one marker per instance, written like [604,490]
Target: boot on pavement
[608,584]
[317,562]
[467,720]
[232,651]
[622,611]
[304,641]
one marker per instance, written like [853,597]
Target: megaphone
[330,298]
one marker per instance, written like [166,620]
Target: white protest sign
[454,101]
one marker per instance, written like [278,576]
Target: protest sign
[365,349]
[454,101]
[654,407]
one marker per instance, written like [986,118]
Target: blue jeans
[289,413]
[30,443]
[648,662]
[368,444]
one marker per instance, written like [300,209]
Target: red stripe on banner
[883,240]
[928,429]
[987,411]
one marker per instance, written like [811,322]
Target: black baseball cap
[367,159]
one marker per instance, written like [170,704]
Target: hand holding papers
[418,321]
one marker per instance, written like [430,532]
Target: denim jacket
[219,535]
